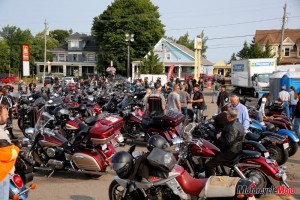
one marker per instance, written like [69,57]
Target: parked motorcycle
[193,153]
[18,189]
[87,152]
[154,175]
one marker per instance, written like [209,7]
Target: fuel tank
[52,140]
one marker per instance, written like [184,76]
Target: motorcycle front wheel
[20,123]
[116,191]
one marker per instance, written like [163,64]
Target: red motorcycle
[155,175]
[87,152]
[193,154]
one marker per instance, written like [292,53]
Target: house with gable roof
[77,57]
[291,44]
[179,56]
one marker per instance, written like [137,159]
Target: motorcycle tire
[115,192]
[20,123]
[259,178]
[293,148]
[25,126]
[278,154]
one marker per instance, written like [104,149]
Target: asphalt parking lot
[67,185]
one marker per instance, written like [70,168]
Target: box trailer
[252,75]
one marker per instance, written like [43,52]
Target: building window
[90,70]
[74,57]
[74,44]
[287,51]
[168,56]
[90,57]
[61,57]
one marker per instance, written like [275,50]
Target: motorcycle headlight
[29,132]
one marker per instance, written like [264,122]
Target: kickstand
[51,174]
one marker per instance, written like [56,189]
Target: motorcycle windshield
[42,122]
[39,101]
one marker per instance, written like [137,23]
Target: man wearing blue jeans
[284,96]
[297,118]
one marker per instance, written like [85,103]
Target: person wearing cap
[198,103]
[284,96]
[8,155]
[243,114]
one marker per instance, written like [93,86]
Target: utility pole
[282,32]
[45,50]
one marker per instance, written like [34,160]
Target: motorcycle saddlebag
[172,119]
[161,159]
[101,134]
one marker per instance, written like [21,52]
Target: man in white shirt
[284,96]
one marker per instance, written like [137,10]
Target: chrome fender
[220,186]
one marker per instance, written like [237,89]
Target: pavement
[67,185]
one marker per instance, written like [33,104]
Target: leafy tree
[233,57]
[268,51]
[152,65]
[184,40]
[244,53]
[138,17]
[14,37]
[4,56]
[60,35]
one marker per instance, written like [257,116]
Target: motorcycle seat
[241,155]
[90,121]
[252,136]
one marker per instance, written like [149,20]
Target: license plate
[267,154]
[104,147]
[284,176]
[286,145]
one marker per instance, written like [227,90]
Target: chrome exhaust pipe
[87,172]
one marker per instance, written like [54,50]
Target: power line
[232,24]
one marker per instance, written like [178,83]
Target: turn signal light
[16,197]
[33,186]
[240,196]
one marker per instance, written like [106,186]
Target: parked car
[68,79]
[48,80]
[13,79]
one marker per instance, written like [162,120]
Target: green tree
[4,56]
[244,53]
[14,37]
[151,64]
[268,51]
[60,35]
[233,57]
[138,17]
[184,40]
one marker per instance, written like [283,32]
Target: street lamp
[46,32]
[128,38]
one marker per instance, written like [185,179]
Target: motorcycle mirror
[177,141]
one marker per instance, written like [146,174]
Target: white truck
[252,75]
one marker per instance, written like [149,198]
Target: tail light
[17,180]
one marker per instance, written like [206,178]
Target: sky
[227,24]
